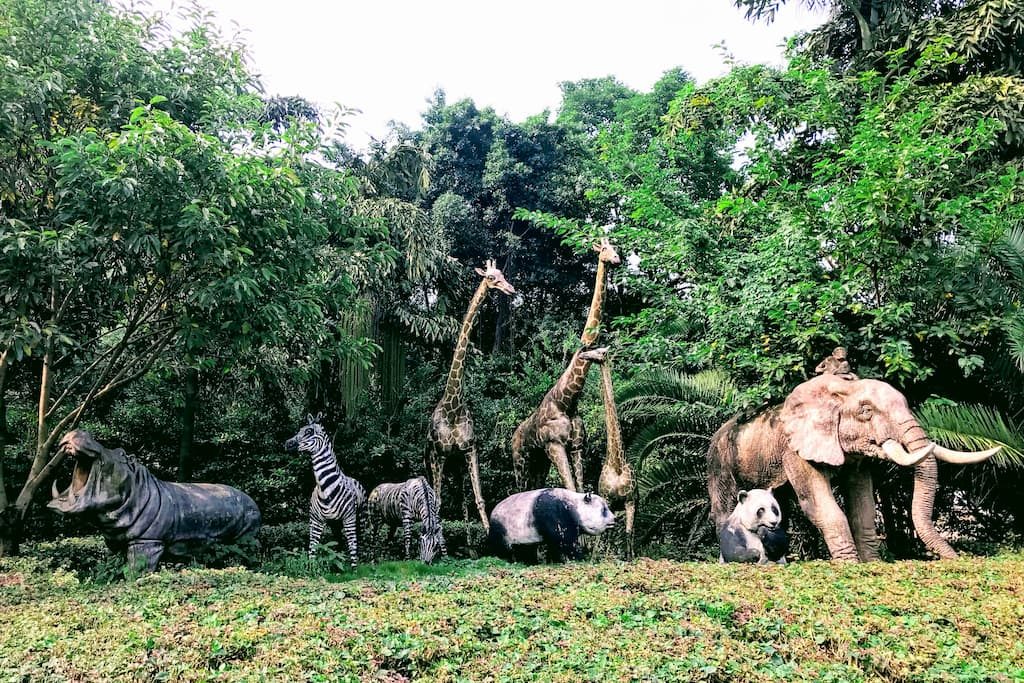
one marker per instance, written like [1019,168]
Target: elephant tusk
[898,454]
[54,493]
[964,457]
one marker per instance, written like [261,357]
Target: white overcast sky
[387,57]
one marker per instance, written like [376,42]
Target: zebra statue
[405,503]
[336,497]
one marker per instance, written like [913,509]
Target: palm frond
[712,387]
[675,492]
[974,427]
[1014,329]
[1010,252]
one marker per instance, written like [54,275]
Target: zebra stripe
[405,503]
[336,497]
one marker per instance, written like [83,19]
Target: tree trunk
[501,323]
[8,539]
[10,531]
[186,435]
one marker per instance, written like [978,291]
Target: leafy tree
[129,234]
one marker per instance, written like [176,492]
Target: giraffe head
[595,355]
[310,438]
[607,252]
[494,279]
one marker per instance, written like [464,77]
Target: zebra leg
[473,465]
[407,532]
[440,533]
[316,530]
[351,528]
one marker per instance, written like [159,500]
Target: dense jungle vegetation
[189,265]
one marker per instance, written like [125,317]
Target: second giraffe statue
[616,484]
[451,425]
[554,431]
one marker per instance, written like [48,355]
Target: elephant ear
[810,418]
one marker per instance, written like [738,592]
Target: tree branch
[78,380]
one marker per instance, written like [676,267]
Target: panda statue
[554,517]
[753,532]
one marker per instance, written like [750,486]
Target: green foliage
[655,620]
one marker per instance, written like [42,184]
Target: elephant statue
[829,426]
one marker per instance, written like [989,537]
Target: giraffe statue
[555,423]
[616,483]
[541,439]
[451,425]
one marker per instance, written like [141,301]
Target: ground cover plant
[486,620]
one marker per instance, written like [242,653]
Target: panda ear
[741,496]
[587,497]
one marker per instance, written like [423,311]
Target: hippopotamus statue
[142,515]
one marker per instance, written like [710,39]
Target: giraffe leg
[519,460]
[538,467]
[558,457]
[630,515]
[577,438]
[435,459]
[473,465]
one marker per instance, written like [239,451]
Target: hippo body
[143,516]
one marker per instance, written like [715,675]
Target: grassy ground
[488,621]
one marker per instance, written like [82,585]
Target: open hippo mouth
[78,445]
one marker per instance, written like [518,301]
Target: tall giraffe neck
[611,418]
[566,392]
[593,327]
[453,388]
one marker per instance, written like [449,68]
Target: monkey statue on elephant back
[836,364]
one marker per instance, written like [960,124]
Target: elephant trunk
[926,479]
[914,437]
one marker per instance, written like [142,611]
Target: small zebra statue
[405,503]
[336,497]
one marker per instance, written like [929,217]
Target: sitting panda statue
[753,532]
[554,517]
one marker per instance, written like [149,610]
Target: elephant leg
[473,465]
[814,491]
[577,438]
[860,502]
[722,487]
[558,457]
